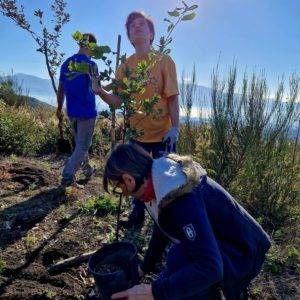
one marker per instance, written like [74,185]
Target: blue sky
[257,34]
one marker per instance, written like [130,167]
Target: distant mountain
[202,96]
[36,87]
[42,89]
[35,103]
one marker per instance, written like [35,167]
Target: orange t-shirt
[162,81]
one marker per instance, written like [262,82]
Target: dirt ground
[41,224]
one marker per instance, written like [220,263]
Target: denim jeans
[83,130]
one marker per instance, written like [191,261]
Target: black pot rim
[105,247]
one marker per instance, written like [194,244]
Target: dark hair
[90,37]
[130,159]
[137,14]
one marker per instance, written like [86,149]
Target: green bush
[265,184]
[280,258]
[27,131]
[18,131]
[99,205]
[50,133]
[246,149]
[11,92]
[101,138]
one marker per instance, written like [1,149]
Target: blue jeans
[157,150]
[83,130]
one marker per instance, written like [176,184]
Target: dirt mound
[16,178]
[40,224]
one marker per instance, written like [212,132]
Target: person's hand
[94,76]
[138,292]
[59,114]
[96,84]
[171,137]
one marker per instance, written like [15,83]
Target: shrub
[246,148]
[265,184]
[18,131]
[99,205]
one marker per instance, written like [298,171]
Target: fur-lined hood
[174,176]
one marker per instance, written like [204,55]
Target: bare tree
[46,39]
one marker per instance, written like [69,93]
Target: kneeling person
[216,243]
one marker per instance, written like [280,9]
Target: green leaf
[174,13]
[167,20]
[71,65]
[77,36]
[170,27]
[92,45]
[105,49]
[81,67]
[97,53]
[192,7]
[189,17]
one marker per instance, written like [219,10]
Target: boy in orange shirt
[162,81]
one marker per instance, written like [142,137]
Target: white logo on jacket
[190,232]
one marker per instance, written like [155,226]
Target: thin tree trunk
[113,111]
[118,218]
[48,67]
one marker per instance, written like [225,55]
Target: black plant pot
[115,268]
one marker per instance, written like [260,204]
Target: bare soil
[41,223]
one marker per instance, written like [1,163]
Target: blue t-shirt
[80,98]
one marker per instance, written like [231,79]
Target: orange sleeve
[169,77]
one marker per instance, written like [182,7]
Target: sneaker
[77,186]
[65,183]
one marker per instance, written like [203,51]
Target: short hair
[127,158]
[137,14]
[90,37]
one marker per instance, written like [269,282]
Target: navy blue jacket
[222,241]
